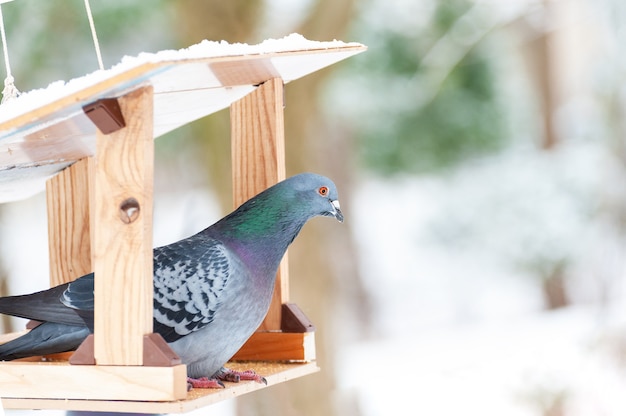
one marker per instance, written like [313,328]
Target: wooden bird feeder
[91,147]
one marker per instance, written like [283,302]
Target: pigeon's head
[267,223]
[316,194]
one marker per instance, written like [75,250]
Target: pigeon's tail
[45,306]
[47,338]
[33,306]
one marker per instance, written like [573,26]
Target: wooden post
[258,156]
[122,234]
[69,231]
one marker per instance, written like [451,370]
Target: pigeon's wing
[47,338]
[79,294]
[47,306]
[189,281]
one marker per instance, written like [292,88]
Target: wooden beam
[69,231]
[258,156]
[278,346]
[59,380]
[122,234]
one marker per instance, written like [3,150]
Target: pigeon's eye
[323,191]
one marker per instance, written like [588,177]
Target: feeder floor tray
[273,372]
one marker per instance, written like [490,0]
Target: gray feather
[47,338]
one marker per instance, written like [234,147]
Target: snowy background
[461,326]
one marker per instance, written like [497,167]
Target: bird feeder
[89,143]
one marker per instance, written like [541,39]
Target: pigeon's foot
[226,374]
[204,383]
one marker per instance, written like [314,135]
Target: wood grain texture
[122,234]
[59,380]
[69,231]
[258,156]
[252,72]
[278,346]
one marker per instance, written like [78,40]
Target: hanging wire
[10,91]
[94,35]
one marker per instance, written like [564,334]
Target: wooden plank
[254,72]
[122,234]
[69,235]
[258,156]
[274,373]
[59,380]
[278,346]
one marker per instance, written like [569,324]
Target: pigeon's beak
[336,211]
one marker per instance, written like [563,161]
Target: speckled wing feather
[189,279]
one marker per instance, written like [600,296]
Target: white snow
[460,326]
[517,367]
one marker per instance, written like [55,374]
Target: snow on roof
[205,49]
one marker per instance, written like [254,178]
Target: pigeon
[212,290]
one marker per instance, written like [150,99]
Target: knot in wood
[129,210]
